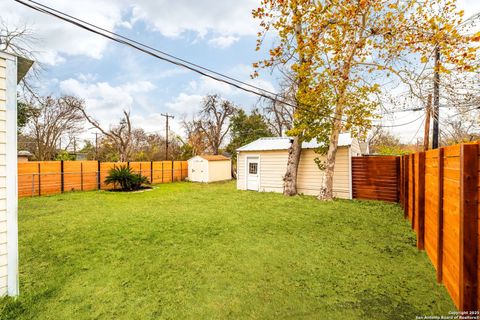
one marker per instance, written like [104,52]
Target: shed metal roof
[283,143]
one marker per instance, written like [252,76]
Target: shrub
[124,176]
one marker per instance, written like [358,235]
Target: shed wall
[219,170]
[273,166]
[3,183]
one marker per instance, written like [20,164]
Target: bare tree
[196,138]
[19,40]
[278,115]
[53,120]
[214,120]
[465,129]
[121,135]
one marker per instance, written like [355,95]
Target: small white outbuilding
[209,168]
[262,164]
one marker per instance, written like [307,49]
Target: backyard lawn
[192,251]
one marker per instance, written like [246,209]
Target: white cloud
[470,7]
[227,17]
[106,102]
[224,20]
[223,42]
[55,38]
[185,103]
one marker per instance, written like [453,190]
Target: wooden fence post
[412,196]
[173,172]
[405,186]
[420,201]
[399,184]
[468,226]
[162,171]
[181,170]
[440,218]
[99,177]
[81,176]
[151,171]
[39,180]
[62,177]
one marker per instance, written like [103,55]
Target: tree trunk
[290,179]
[326,188]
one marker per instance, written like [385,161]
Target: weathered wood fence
[37,178]
[439,194]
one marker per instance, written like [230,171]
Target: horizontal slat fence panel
[375,178]
[38,178]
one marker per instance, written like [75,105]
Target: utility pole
[96,145]
[436,99]
[167,116]
[426,135]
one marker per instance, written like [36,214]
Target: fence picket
[440,217]
[468,227]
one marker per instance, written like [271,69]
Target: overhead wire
[418,130]
[217,76]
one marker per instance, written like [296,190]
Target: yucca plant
[126,178]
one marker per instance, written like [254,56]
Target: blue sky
[110,77]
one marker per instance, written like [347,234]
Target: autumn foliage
[341,52]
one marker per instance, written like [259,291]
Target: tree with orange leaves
[338,51]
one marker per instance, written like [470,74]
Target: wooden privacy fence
[52,177]
[375,178]
[439,194]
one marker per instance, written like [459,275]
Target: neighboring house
[80,156]
[209,168]
[24,156]
[12,70]
[262,164]
[365,148]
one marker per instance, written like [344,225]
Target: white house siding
[273,166]
[3,183]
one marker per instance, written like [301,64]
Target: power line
[171,58]
[418,130]
[152,48]
[141,47]
[399,125]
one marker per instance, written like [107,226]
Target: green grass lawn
[192,251]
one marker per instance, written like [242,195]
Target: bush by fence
[39,178]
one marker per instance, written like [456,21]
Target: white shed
[262,164]
[12,70]
[209,168]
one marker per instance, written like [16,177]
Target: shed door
[198,170]
[253,173]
